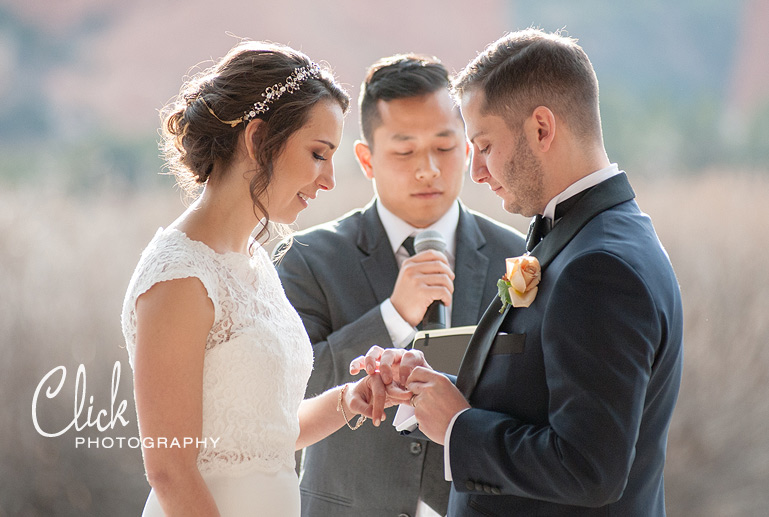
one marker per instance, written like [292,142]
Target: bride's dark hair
[198,137]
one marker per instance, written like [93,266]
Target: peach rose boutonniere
[518,287]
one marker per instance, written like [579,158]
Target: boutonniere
[518,287]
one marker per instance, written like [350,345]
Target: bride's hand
[393,364]
[370,396]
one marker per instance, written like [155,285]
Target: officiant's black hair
[397,77]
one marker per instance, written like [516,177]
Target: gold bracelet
[340,407]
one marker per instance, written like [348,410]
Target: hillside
[84,78]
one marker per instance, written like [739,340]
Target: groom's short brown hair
[530,68]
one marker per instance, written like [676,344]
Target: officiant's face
[418,156]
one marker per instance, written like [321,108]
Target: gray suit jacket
[336,275]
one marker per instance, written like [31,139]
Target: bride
[220,359]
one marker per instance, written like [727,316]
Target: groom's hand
[436,400]
[393,364]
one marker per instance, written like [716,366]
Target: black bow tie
[408,245]
[538,228]
[541,226]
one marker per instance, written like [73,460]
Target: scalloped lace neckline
[202,245]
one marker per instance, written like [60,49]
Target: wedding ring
[412,401]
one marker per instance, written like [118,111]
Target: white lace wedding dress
[258,359]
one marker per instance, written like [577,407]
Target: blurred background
[685,106]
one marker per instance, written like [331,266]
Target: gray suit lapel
[378,261]
[603,196]
[471,268]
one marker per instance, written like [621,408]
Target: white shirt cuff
[405,420]
[446,438]
[401,332]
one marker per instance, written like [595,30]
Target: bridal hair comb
[273,93]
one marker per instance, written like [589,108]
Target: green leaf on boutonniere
[504,294]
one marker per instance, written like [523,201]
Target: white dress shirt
[591,180]
[401,332]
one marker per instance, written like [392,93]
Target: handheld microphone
[435,316]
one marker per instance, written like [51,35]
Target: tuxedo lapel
[378,260]
[471,268]
[479,346]
[603,196]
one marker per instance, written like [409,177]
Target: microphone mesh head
[429,240]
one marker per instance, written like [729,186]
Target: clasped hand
[406,373]
[422,279]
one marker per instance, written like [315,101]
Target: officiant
[355,284]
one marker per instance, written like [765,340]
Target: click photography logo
[93,428]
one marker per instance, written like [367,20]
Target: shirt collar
[397,229]
[591,180]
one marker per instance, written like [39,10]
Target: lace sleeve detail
[166,257]
[257,359]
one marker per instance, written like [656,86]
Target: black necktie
[408,245]
[538,228]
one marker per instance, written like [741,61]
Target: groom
[561,407]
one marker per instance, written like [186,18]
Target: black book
[444,348]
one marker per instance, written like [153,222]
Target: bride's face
[305,165]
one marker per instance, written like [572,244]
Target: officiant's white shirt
[401,332]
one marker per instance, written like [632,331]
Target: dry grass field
[65,261]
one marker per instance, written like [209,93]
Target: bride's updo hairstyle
[202,125]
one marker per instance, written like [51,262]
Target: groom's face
[502,158]
[418,156]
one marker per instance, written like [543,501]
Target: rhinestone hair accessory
[273,93]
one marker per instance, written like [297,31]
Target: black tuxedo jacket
[336,275]
[571,416]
